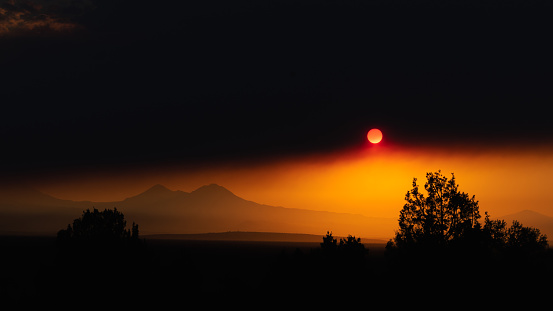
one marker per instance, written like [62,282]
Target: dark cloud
[39,17]
[192,81]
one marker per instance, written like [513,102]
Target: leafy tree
[495,232]
[352,246]
[446,216]
[329,243]
[348,247]
[515,238]
[97,251]
[525,238]
[350,242]
[443,215]
[106,227]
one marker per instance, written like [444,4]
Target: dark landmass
[164,272]
[250,274]
[252,237]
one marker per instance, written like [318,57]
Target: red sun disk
[374,136]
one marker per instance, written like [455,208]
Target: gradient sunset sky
[273,100]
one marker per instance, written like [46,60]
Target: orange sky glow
[371,180]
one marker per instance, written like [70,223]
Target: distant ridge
[253,237]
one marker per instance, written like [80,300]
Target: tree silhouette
[352,247]
[447,217]
[515,238]
[350,242]
[495,231]
[349,247]
[329,243]
[97,251]
[443,215]
[95,227]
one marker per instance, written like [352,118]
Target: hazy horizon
[212,208]
[370,180]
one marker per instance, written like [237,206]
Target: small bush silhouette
[95,252]
[329,243]
[349,247]
[99,228]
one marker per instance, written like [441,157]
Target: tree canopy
[349,247]
[445,216]
[515,238]
[107,227]
[439,217]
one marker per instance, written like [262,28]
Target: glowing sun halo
[374,136]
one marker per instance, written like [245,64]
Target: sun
[374,136]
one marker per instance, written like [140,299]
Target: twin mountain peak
[160,192]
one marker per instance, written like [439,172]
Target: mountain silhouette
[155,192]
[210,208]
[213,190]
[213,208]
[157,195]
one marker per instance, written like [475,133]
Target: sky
[273,99]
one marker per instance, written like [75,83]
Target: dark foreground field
[162,271]
[183,273]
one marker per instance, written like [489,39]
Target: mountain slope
[154,198]
[210,208]
[213,208]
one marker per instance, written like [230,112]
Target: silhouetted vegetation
[349,247]
[438,219]
[330,244]
[97,253]
[447,217]
[442,252]
[515,238]
[99,228]
[440,240]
